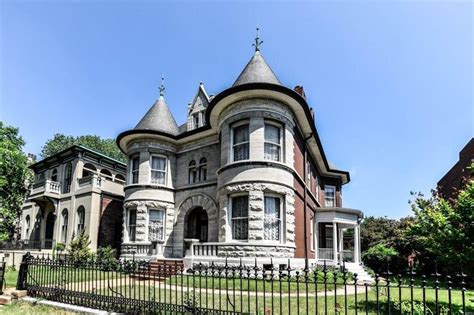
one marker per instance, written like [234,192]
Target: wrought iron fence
[165,287]
[28,244]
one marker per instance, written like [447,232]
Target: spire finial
[258,42]
[162,86]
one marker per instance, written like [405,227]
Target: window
[40,177]
[81,218]
[330,196]
[119,178]
[240,220]
[272,142]
[134,165]
[192,176]
[54,175]
[67,178]
[88,169]
[240,142]
[158,170]
[203,169]
[156,225]
[325,235]
[106,173]
[196,121]
[27,226]
[311,234]
[272,219]
[64,222]
[132,225]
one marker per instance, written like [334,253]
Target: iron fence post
[23,272]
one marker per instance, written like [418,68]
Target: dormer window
[240,142]
[196,121]
[272,142]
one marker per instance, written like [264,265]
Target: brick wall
[110,228]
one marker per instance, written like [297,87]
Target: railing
[205,249]
[140,287]
[94,180]
[27,244]
[325,254]
[46,186]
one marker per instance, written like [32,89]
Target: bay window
[330,196]
[272,142]
[134,165]
[272,218]
[158,170]
[240,217]
[156,225]
[240,142]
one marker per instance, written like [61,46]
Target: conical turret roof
[159,118]
[257,71]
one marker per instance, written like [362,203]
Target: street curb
[68,307]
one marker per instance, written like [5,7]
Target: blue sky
[390,82]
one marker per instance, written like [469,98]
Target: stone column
[334,241]
[256,136]
[142,228]
[341,244]
[256,209]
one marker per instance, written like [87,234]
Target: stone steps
[362,275]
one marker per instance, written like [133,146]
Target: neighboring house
[75,190]
[456,178]
[245,177]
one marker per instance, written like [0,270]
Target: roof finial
[162,86]
[258,42]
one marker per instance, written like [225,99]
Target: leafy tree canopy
[61,142]
[14,179]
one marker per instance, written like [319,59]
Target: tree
[61,142]
[79,249]
[14,179]
[445,230]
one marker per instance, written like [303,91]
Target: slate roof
[159,118]
[257,70]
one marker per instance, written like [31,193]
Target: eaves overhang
[298,105]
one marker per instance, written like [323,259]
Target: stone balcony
[46,188]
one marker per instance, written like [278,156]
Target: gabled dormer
[197,109]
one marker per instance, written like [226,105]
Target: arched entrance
[49,232]
[197,224]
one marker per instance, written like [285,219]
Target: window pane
[330,196]
[132,222]
[240,206]
[156,225]
[241,152]
[272,218]
[158,163]
[158,177]
[272,134]
[241,134]
[272,152]
[240,218]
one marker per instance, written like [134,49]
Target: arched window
[27,226]
[81,218]
[88,169]
[120,178]
[64,223]
[54,175]
[106,173]
[203,169]
[67,177]
[192,172]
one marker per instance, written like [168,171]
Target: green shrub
[377,257]
[79,250]
[107,258]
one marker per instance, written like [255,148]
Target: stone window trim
[165,171]
[231,219]
[330,195]
[246,143]
[268,143]
[64,225]
[281,218]
[131,227]
[81,218]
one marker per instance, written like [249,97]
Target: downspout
[306,263]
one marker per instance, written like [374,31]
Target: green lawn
[25,308]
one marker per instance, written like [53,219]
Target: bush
[107,258]
[79,250]
[378,256]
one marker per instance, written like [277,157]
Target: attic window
[196,121]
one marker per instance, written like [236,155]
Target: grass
[25,308]
[11,277]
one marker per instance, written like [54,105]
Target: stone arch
[190,203]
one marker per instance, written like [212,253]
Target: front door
[197,225]
[48,235]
